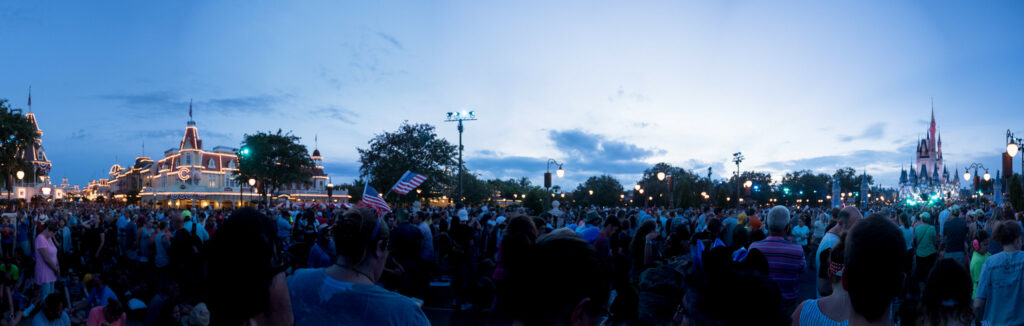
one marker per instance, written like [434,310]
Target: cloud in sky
[874,131]
[337,113]
[173,103]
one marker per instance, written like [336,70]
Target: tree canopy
[416,148]
[16,134]
[273,159]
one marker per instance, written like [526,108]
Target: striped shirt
[785,262]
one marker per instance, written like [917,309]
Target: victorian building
[35,181]
[189,175]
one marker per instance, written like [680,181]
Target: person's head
[801,221]
[612,225]
[246,282]
[778,218]
[51,228]
[113,310]
[417,217]
[981,241]
[564,283]
[874,247]
[947,295]
[848,217]
[53,307]
[361,240]
[1007,234]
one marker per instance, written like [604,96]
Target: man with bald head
[845,220]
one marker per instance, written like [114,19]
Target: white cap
[463,215]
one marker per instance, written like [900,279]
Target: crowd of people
[949,264]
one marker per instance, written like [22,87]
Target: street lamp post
[330,191]
[460,117]
[976,166]
[671,198]
[252,183]
[1013,145]
[547,175]
[737,158]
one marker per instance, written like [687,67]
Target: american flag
[408,182]
[372,199]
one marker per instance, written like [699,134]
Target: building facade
[190,176]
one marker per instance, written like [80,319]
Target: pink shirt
[96,318]
[43,272]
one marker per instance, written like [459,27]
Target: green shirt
[11,270]
[977,261]
[925,235]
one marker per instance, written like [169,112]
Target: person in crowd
[874,248]
[321,254]
[603,242]
[801,236]
[422,222]
[47,268]
[926,243]
[643,248]
[978,258]
[346,293]
[785,259]
[954,237]
[834,309]
[513,253]
[947,294]
[845,220]
[1001,284]
[563,283]
[246,282]
[7,237]
[52,313]
[111,314]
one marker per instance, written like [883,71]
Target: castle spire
[29,98]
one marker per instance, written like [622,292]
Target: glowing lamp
[560,172]
[21,175]
[641,191]
[636,187]
[1011,149]
[987,176]
[661,176]
[967,176]
[591,191]
[46,191]
[252,182]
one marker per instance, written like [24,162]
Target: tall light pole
[671,197]
[1013,145]
[547,175]
[737,158]
[976,166]
[460,117]
[252,182]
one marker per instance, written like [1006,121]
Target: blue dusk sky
[607,87]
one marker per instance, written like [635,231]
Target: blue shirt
[284,228]
[318,299]
[98,297]
[1002,285]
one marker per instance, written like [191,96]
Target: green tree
[804,185]
[16,134]
[849,180]
[273,159]
[606,191]
[413,147]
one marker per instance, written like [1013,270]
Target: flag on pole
[372,199]
[408,182]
